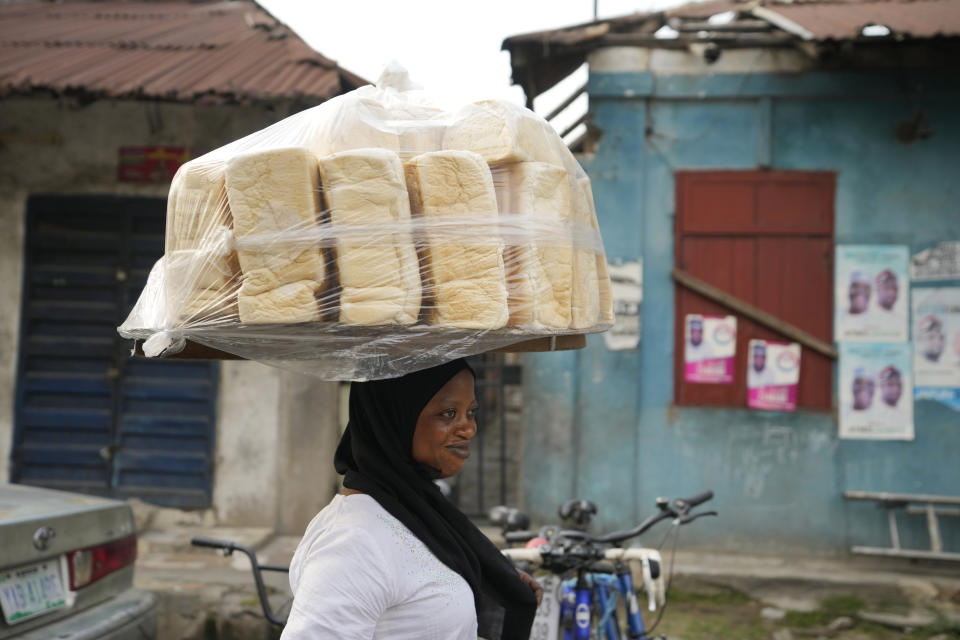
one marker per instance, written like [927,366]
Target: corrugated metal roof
[184,51]
[846,20]
[809,19]
[578,33]
[703,10]
[541,59]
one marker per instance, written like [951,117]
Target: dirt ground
[701,610]
[204,596]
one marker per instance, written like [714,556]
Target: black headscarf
[375,456]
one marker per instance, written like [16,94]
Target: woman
[390,557]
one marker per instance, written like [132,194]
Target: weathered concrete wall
[686,62]
[63,146]
[308,437]
[602,425]
[12,204]
[245,464]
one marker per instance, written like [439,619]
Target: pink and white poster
[773,371]
[709,347]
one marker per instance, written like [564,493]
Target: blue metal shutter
[88,416]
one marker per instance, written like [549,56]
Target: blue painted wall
[601,425]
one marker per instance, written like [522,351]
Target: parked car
[66,568]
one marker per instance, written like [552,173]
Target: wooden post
[757,315]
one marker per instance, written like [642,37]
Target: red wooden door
[767,238]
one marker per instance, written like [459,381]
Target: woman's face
[446,426]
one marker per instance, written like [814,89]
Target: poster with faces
[872,291]
[876,395]
[710,344]
[936,344]
[773,371]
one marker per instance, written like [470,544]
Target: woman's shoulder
[355,508]
[357,519]
[347,530]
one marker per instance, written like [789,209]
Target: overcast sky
[449,46]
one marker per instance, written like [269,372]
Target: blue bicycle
[585,604]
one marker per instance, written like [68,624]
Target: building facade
[95,116]
[744,157]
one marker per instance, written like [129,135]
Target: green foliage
[711,612]
[830,609]
[210,631]
[719,596]
[842,605]
[711,628]
[942,626]
[805,619]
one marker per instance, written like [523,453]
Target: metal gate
[88,417]
[491,476]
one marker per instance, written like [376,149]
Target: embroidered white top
[359,573]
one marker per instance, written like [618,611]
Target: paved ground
[205,596]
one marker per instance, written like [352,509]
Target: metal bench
[914,504]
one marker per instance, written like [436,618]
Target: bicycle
[588,602]
[228,547]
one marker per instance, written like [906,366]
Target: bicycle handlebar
[520,536]
[213,543]
[690,518]
[228,548]
[696,500]
[649,560]
[679,509]
[620,536]
[535,557]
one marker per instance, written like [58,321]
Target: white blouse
[359,573]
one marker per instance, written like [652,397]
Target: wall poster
[773,371]
[871,291]
[710,344]
[626,288]
[876,398]
[936,344]
[940,262]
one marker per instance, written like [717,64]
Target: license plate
[546,624]
[30,591]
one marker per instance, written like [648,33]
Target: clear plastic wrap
[377,234]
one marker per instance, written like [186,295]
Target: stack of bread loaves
[384,212]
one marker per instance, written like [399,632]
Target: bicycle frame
[583,590]
[578,595]
[601,588]
[575,549]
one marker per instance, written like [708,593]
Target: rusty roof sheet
[183,51]
[807,19]
[541,59]
[578,33]
[845,20]
[703,10]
